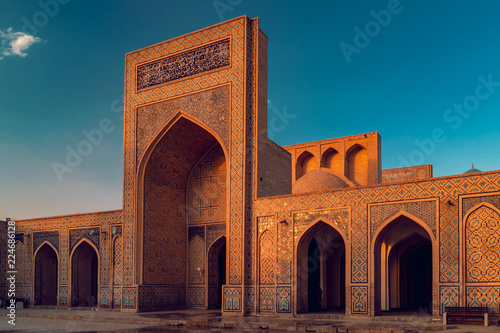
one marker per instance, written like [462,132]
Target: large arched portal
[321,270]
[183,213]
[46,276]
[403,267]
[84,275]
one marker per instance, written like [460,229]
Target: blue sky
[424,74]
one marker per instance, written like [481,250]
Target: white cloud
[15,43]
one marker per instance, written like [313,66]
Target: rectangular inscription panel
[200,60]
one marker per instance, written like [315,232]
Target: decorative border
[222,47]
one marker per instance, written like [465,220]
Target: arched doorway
[403,267]
[84,275]
[181,192]
[321,270]
[216,272]
[46,277]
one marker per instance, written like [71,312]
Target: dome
[473,170]
[317,181]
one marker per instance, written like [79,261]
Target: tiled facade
[209,219]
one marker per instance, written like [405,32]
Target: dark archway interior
[85,267]
[46,276]
[216,273]
[419,278]
[321,270]
[313,277]
[403,267]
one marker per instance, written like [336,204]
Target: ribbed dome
[317,181]
[473,170]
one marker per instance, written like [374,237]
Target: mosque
[217,216]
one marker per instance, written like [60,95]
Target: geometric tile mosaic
[482,245]
[359,300]
[449,296]
[484,296]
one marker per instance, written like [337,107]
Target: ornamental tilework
[249,299]
[195,296]
[284,269]
[200,60]
[104,297]
[234,29]
[50,236]
[169,296]
[449,296]
[63,295]
[214,232]
[482,250]
[145,297]
[250,151]
[151,119]
[20,256]
[484,296]
[339,217]
[129,297]
[207,189]
[116,230]
[469,203]
[232,299]
[91,234]
[283,299]
[359,296]
[117,260]
[59,237]
[267,258]
[448,244]
[423,210]
[117,297]
[267,299]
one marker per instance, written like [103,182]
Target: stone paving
[52,320]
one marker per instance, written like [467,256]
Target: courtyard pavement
[57,320]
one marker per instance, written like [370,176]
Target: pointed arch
[305,162]
[84,260]
[409,216]
[399,246]
[321,271]
[481,236]
[175,119]
[357,164]
[46,267]
[331,160]
[166,197]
